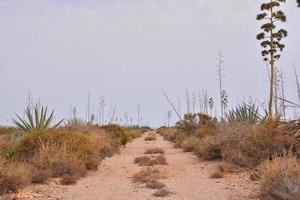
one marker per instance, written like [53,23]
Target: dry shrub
[280,178]
[216,174]
[168,133]
[59,160]
[150,136]
[155,184]
[147,161]
[189,144]
[142,161]
[76,147]
[68,179]
[133,133]
[154,151]
[209,148]
[230,167]
[4,146]
[164,192]
[159,160]
[245,146]
[116,132]
[13,176]
[180,136]
[40,176]
[148,174]
[266,141]
[205,130]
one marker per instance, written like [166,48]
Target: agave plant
[37,119]
[244,114]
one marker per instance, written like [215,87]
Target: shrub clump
[154,151]
[189,144]
[147,161]
[13,176]
[280,179]
[150,136]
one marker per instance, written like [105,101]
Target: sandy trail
[188,178]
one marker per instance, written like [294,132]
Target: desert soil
[188,179]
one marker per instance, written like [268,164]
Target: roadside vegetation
[244,144]
[36,151]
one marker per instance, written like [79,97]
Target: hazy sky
[128,50]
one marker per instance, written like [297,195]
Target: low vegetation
[164,192]
[280,178]
[149,174]
[154,151]
[150,161]
[244,142]
[150,136]
[67,152]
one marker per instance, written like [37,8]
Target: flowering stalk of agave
[271,40]
[37,120]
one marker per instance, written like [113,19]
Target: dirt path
[188,178]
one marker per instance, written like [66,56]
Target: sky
[60,51]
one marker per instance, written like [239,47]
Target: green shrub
[37,120]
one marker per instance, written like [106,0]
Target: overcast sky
[128,50]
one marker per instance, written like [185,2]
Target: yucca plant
[244,114]
[37,119]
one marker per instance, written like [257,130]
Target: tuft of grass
[155,184]
[142,161]
[68,180]
[216,174]
[189,144]
[151,136]
[147,161]
[164,192]
[40,176]
[13,176]
[280,178]
[148,174]
[154,151]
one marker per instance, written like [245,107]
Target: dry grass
[150,161]
[155,184]
[280,178]
[148,174]
[216,174]
[164,192]
[40,176]
[189,144]
[154,151]
[13,176]
[142,161]
[151,136]
[68,180]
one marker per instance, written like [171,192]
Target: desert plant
[164,192]
[244,114]
[149,174]
[271,40]
[280,178]
[216,174]
[154,151]
[13,176]
[37,120]
[151,136]
[189,144]
[75,124]
[155,184]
